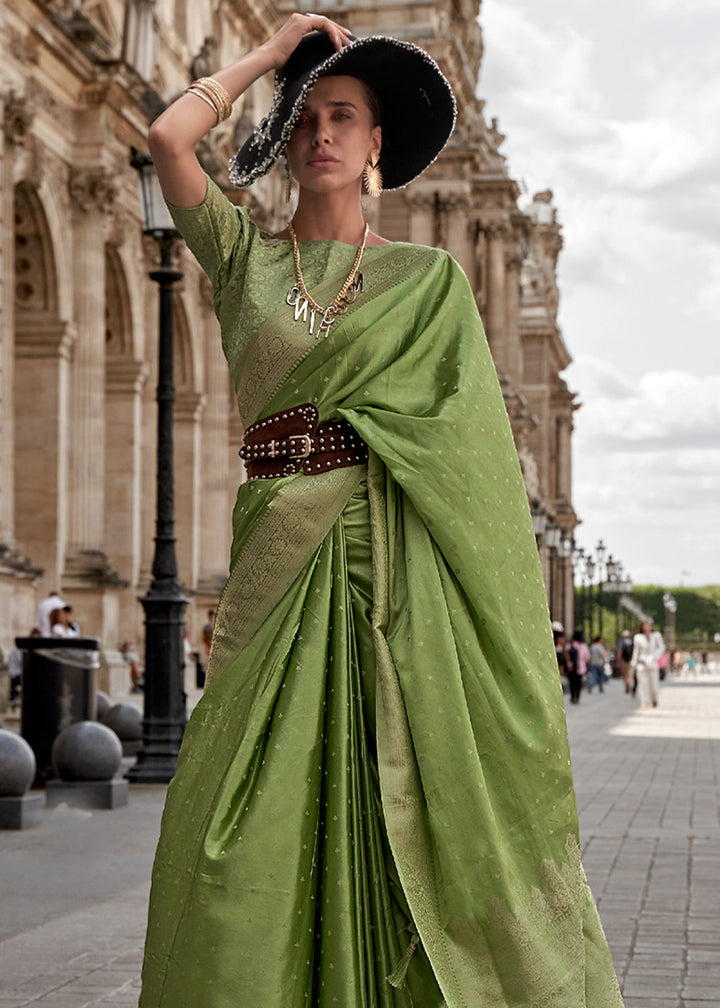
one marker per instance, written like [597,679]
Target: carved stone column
[43,351]
[215,463]
[480,270]
[496,312]
[92,193]
[513,265]
[125,379]
[140,37]
[188,413]
[16,119]
[421,204]
[454,208]
[564,458]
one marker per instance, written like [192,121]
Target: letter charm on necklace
[303,304]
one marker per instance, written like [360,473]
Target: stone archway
[43,349]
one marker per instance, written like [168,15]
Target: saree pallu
[380,759]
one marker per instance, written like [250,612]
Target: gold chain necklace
[305,305]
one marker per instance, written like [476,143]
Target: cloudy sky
[616,108]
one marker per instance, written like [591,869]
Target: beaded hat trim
[268,141]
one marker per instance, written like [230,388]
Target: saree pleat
[292,834]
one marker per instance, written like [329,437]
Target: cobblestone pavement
[74,889]
[648,790]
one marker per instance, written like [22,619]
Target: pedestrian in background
[60,623]
[131,659]
[598,657]
[45,609]
[581,657]
[15,663]
[648,646]
[566,655]
[207,632]
[623,657]
[72,626]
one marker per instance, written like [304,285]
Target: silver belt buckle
[307,447]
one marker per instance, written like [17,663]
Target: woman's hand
[284,42]
[175,134]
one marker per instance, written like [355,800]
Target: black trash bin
[59,687]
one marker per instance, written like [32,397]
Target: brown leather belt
[286,442]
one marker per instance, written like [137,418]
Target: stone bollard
[17,771]
[86,756]
[103,705]
[126,721]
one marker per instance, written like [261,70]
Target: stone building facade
[79,82]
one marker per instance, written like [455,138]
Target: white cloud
[667,408]
[624,127]
[682,10]
[647,468]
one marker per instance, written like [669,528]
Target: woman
[598,657]
[648,646]
[60,623]
[373,806]
[580,657]
[623,660]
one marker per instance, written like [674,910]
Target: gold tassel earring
[288,182]
[372,177]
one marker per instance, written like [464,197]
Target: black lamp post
[590,571]
[539,523]
[564,551]
[578,560]
[552,539]
[670,606]
[600,555]
[614,578]
[164,604]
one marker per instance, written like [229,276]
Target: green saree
[380,760]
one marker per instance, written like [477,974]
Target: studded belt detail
[292,440]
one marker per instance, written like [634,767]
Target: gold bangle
[212,92]
[206,98]
[220,92]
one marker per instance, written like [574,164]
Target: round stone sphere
[17,765]
[126,721]
[103,705]
[86,751]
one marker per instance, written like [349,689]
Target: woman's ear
[376,143]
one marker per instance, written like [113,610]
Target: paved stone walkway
[648,790]
[73,891]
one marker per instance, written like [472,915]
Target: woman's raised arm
[175,134]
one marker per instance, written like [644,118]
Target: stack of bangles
[212,92]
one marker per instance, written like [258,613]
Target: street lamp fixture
[565,546]
[164,604]
[564,550]
[552,536]
[539,519]
[600,552]
[670,605]
[579,585]
[156,217]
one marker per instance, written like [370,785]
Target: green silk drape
[381,750]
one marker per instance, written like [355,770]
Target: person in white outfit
[44,610]
[648,646]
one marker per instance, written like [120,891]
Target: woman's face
[334,136]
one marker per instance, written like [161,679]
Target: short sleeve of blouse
[216,231]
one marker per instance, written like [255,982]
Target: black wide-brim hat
[417,104]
